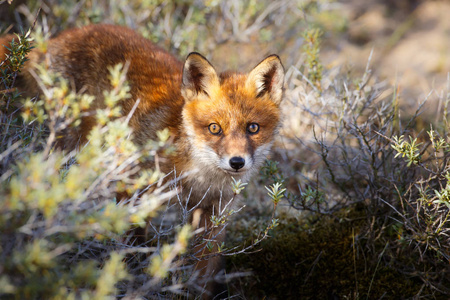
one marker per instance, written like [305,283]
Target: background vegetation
[362,156]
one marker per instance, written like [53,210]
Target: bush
[373,204]
[60,227]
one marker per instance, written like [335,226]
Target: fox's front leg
[209,261]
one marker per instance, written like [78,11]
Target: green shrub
[371,207]
[61,230]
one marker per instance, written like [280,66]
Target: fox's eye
[215,128]
[253,128]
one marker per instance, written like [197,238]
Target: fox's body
[221,125]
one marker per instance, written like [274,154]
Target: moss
[304,261]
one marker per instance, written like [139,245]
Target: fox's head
[231,118]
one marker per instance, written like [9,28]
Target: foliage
[376,168]
[312,49]
[14,62]
[10,68]
[54,202]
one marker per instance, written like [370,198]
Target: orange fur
[185,98]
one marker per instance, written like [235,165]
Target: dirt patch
[410,44]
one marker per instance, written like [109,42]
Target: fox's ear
[199,77]
[267,78]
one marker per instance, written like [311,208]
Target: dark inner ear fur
[268,78]
[195,78]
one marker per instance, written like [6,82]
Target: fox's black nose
[237,162]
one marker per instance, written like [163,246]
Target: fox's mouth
[235,172]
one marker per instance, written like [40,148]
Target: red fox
[222,125]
